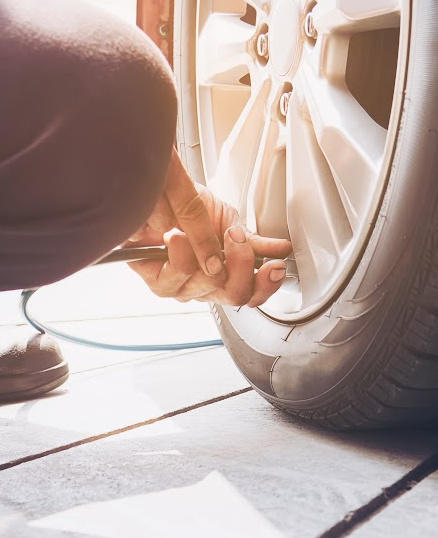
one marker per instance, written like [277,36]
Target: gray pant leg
[87,122]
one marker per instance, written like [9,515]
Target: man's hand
[195,225]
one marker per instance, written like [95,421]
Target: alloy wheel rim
[298,106]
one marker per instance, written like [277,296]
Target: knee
[131,113]
[125,128]
[92,102]
[106,79]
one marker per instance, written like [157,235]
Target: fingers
[167,280]
[242,286]
[181,278]
[200,286]
[192,216]
[144,237]
[162,217]
[268,280]
[183,268]
[270,247]
[181,256]
[239,256]
[161,220]
[195,269]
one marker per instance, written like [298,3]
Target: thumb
[270,247]
[193,218]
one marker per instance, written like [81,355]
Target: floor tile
[413,515]
[105,399]
[233,465]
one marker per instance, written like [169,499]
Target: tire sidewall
[327,358]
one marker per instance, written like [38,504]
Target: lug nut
[262,45]
[163,30]
[309,28]
[284,103]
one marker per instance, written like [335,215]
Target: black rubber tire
[371,359]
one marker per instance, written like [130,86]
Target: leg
[88,114]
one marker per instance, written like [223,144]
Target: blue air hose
[42,328]
[126,255]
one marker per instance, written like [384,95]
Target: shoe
[30,367]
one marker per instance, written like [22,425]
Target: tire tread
[383,397]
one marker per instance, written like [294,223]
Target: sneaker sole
[25,386]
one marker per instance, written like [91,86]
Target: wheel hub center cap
[284,37]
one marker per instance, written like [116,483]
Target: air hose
[128,254]
[43,328]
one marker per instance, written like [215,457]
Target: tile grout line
[359,517]
[87,440]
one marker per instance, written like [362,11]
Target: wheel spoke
[266,208]
[351,17]
[351,141]
[222,50]
[312,170]
[259,5]
[238,154]
[318,224]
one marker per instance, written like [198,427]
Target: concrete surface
[175,444]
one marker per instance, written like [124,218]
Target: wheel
[318,121]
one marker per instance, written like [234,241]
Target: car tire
[368,357]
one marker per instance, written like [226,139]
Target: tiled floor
[174,444]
